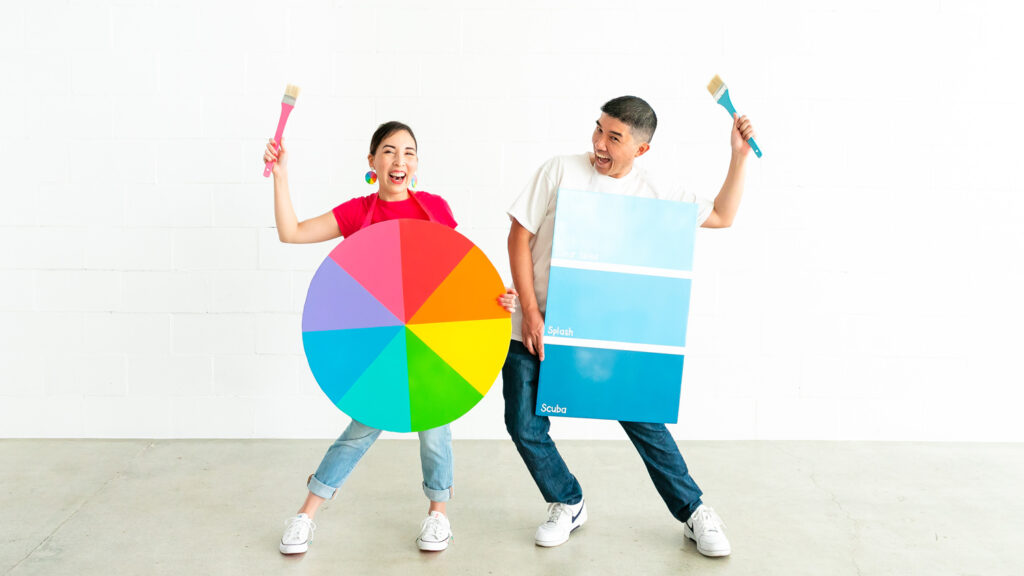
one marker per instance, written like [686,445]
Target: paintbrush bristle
[291,92]
[715,85]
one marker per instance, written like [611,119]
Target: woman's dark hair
[387,129]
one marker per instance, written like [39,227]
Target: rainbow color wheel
[402,328]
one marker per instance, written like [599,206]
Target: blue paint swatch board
[618,302]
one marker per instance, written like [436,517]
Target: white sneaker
[706,529]
[562,520]
[435,533]
[298,533]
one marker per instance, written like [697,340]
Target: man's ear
[642,150]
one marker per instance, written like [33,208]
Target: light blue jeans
[342,457]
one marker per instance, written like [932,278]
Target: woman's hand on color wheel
[508,300]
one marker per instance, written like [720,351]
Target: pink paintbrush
[290,94]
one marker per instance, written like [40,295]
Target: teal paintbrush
[720,92]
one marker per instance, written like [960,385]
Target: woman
[393,162]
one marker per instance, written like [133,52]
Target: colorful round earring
[412,185]
[371,177]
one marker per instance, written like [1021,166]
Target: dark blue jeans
[530,433]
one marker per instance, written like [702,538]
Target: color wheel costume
[400,326]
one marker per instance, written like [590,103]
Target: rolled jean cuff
[442,495]
[320,489]
[693,508]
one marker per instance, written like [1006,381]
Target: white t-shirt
[534,209]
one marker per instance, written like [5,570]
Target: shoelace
[294,526]
[434,528]
[707,520]
[555,509]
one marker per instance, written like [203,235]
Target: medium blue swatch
[609,384]
[596,305]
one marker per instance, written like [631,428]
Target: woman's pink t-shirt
[351,214]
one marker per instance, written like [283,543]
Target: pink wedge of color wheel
[402,328]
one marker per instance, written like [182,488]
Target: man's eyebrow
[598,122]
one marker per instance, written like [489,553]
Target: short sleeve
[350,216]
[532,204]
[704,206]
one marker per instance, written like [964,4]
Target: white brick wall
[870,288]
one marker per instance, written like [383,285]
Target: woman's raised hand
[279,158]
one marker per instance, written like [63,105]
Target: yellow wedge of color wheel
[475,349]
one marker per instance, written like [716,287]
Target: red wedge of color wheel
[402,328]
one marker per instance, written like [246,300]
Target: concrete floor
[218,507]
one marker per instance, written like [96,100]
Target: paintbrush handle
[727,104]
[754,146]
[286,109]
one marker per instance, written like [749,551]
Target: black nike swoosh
[578,513]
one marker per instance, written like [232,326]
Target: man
[623,134]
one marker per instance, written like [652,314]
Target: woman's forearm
[284,212]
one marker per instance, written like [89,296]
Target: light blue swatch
[624,230]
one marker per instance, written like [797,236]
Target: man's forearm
[727,203]
[521,263]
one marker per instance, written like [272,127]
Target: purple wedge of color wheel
[336,301]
